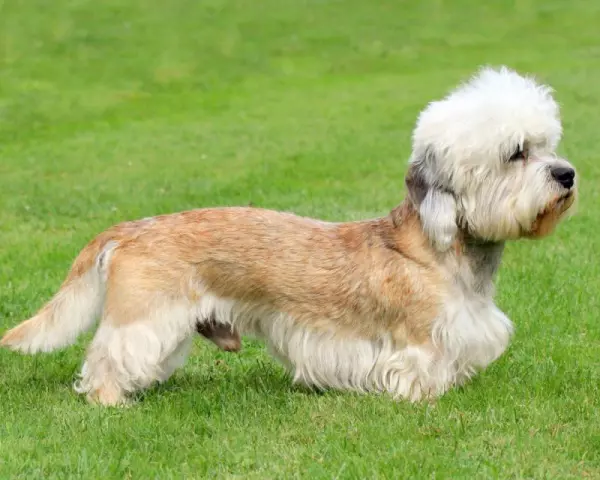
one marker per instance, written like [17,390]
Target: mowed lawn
[120,109]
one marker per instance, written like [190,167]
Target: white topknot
[494,106]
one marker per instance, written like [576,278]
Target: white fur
[468,336]
[323,360]
[135,355]
[73,310]
[438,214]
[463,141]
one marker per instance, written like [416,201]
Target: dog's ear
[436,206]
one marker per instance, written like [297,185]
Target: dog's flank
[400,304]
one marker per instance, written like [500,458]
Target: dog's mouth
[558,208]
[559,205]
[551,215]
[565,201]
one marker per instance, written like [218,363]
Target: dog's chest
[471,331]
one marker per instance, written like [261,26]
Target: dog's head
[484,161]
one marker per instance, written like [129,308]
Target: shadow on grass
[244,380]
[260,379]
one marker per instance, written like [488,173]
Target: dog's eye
[518,155]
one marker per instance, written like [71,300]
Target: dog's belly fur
[466,336]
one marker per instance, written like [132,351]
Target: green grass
[121,109]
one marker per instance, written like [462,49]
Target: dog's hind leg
[144,333]
[124,358]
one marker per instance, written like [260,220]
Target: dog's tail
[73,310]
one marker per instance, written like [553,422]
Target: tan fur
[328,276]
[314,271]
[547,220]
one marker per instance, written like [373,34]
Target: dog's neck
[478,262]
[471,262]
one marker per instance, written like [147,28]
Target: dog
[401,304]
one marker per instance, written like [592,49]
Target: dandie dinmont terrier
[400,304]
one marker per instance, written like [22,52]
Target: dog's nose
[564,175]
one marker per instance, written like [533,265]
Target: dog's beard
[503,215]
[548,219]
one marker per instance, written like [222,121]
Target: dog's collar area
[466,238]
